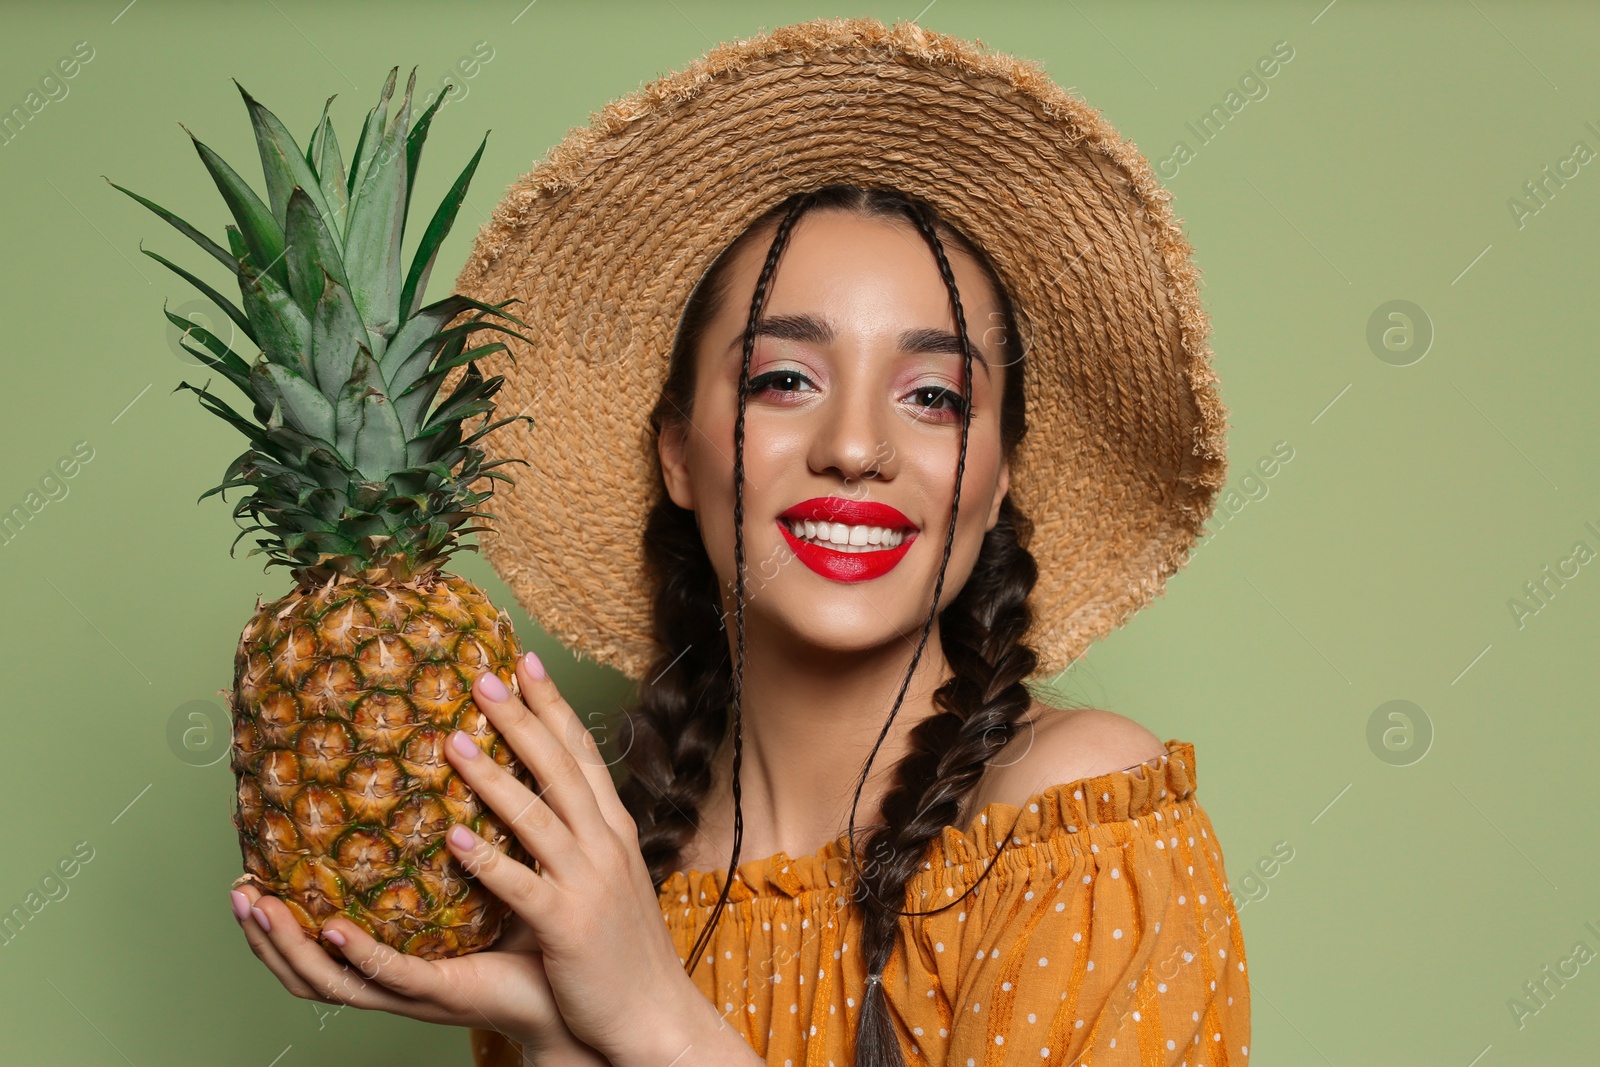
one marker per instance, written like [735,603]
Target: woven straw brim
[605,239]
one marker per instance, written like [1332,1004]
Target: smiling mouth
[846,537]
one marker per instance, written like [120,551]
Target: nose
[852,435]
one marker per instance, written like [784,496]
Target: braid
[681,720]
[682,715]
[982,634]
[771,264]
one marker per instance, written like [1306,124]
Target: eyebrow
[809,329]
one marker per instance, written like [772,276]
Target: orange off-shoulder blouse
[1105,936]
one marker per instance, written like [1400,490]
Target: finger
[540,694]
[327,978]
[418,980]
[526,893]
[551,822]
[538,738]
[264,949]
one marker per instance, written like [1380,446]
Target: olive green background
[1440,456]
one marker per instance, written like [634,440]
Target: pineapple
[346,687]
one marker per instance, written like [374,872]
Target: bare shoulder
[1057,745]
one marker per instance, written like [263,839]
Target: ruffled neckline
[1074,807]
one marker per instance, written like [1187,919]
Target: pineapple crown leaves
[355,470]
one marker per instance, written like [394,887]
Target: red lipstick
[840,566]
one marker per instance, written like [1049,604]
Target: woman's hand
[499,988]
[587,966]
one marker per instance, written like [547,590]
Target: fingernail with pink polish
[335,936]
[492,687]
[261,919]
[464,745]
[535,668]
[241,905]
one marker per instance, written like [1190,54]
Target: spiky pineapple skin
[344,695]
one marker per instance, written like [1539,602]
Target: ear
[1002,487]
[674,469]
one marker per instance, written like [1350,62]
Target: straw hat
[604,240]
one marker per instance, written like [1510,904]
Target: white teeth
[842,535]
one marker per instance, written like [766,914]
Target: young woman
[836,608]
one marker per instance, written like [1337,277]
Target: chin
[848,619]
[857,643]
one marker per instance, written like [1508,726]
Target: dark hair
[682,718]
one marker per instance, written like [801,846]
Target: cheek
[774,449]
[978,488]
[935,473]
[770,458]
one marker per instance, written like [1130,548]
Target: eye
[761,382]
[931,397]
